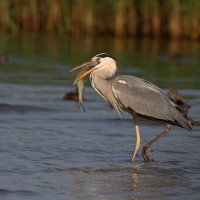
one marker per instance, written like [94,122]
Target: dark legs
[146,148]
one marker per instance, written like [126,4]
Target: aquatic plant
[121,18]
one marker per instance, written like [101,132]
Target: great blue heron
[133,95]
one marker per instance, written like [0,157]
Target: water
[50,150]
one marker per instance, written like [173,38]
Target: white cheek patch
[122,82]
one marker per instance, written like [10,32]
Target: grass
[121,18]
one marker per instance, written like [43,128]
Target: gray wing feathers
[144,98]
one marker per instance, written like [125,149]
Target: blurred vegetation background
[121,18]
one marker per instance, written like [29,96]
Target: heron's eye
[98,60]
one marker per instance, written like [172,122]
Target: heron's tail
[183,120]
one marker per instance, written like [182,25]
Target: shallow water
[50,150]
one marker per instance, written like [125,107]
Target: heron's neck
[99,83]
[102,86]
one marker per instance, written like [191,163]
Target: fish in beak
[85,69]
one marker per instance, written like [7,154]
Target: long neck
[101,85]
[104,89]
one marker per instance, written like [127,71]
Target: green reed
[121,18]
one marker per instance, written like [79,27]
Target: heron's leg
[137,131]
[146,148]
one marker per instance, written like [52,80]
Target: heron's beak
[86,68]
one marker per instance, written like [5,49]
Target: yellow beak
[86,68]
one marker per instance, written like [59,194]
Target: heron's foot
[146,149]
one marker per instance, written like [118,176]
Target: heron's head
[102,64]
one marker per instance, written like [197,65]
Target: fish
[79,80]
[80,85]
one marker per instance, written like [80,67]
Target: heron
[131,94]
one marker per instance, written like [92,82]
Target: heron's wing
[141,96]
